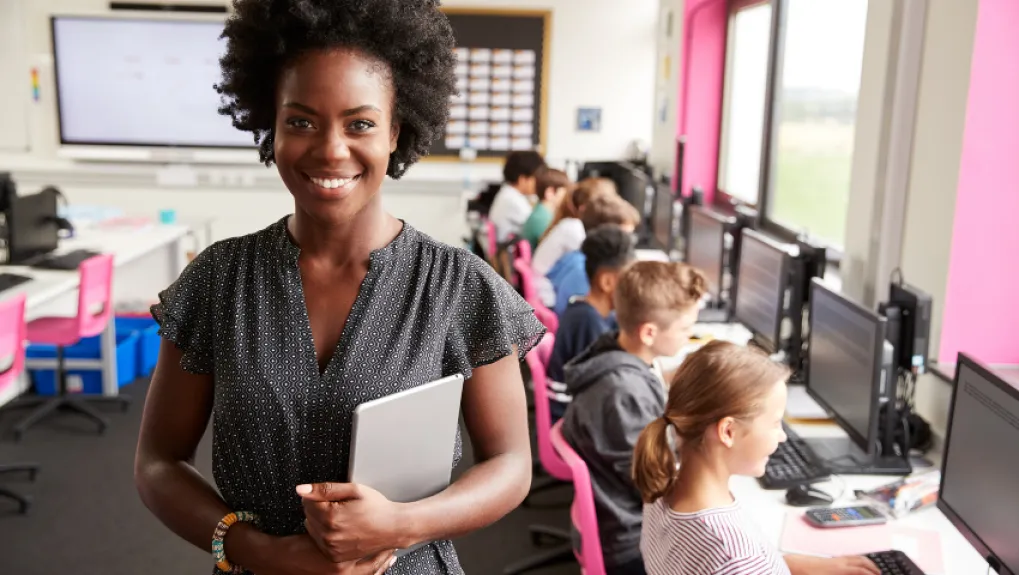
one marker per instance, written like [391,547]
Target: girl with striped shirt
[723,418]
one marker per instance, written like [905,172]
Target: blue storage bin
[92,379]
[148,343]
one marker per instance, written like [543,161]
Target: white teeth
[332,183]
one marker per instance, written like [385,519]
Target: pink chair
[492,242]
[582,512]
[524,251]
[558,471]
[12,349]
[530,292]
[95,310]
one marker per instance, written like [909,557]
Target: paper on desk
[799,405]
[921,545]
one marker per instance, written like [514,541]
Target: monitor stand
[843,457]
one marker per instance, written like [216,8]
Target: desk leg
[108,352]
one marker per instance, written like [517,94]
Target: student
[616,394]
[512,206]
[552,187]
[567,278]
[566,232]
[606,250]
[724,412]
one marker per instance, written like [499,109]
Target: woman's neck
[347,242]
[703,483]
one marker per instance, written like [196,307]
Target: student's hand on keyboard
[852,565]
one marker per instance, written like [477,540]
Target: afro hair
[412,36]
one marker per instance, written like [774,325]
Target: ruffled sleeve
[490,318]
[185,313]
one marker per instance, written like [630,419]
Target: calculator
[845,516]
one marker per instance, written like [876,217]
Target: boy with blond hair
[616,393]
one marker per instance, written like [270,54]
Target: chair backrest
[582,512]
[493,244]
[523,249]
[537,362]
[12,338]
[95,294]
[530,292]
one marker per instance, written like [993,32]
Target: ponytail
[654,462]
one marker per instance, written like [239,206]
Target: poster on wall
[501,64]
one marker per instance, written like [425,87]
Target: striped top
[721,541]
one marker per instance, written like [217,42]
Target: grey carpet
[87,518]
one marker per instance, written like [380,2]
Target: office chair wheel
[24,505]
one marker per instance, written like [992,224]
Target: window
[743,112]
[815,115]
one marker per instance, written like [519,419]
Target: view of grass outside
[816,114]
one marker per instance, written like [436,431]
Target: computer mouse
[807,496]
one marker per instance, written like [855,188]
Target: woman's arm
[495,411]
[177,411]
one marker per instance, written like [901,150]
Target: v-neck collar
[290,251]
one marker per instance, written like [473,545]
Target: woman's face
[334,131]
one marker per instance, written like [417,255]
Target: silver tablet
[402,444]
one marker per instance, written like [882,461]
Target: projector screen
[141,83]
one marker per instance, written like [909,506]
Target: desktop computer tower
[915,307]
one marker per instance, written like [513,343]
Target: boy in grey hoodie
[616,393]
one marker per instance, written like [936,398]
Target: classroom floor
[87,517]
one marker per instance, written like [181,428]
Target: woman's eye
[361,125]
[300,123]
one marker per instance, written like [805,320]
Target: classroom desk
[768,510]
[146,260]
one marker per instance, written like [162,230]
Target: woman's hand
[300,555]
[349,521]
[851,565]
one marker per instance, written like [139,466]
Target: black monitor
[32,225]
[8,191]
[760,295]
[705,246]
[631,182]
[849,375]
[981,464]
[662,218]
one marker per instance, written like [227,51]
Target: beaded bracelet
[218,552]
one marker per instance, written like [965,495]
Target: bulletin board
[502,82]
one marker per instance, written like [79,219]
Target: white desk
[769,510]
[146,260]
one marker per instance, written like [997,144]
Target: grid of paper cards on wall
[495,108]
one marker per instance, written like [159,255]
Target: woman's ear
[394,136]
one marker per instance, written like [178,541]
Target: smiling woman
[279,335]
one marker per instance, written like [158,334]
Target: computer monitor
[661,218]
[8,191]
[760,294]
[631,182]
[33,227]
[981,464]
[849,375]
[705,246]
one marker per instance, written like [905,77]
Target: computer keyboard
[66,261]
[794,463]
[894,563]
[7,281]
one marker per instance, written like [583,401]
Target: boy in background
[616,394]
[552,187]
[512,206]
[606,250]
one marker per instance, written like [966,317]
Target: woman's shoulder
[452,262]
[229,253]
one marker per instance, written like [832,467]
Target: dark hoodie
[615,395]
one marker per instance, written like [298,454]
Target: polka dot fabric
[425,310]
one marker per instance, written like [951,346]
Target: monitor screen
[978,481]
[706,246]
[141,82]
[760,293]
[844,362]
[33,226]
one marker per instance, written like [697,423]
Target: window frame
[726,202]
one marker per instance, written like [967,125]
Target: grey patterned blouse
[424,310]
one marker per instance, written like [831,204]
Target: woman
[280,334]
